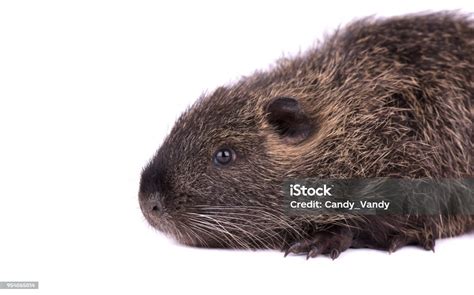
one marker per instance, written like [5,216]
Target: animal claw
[294,248]
[313,252]
[429,244]
[334,254]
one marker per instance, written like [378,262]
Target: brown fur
[384,98]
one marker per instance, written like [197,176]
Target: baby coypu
[386,98]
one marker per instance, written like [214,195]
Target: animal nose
[156,204]
[152,204]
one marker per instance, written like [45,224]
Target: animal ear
[290,122]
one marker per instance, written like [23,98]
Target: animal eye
[224,156]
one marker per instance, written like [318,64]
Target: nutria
[380,98]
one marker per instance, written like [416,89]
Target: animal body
[379,98]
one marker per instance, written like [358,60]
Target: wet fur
[386,98]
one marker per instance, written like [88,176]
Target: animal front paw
[425,241]
[330,243]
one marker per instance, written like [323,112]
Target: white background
[89,89]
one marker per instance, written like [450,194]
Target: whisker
[218,227]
